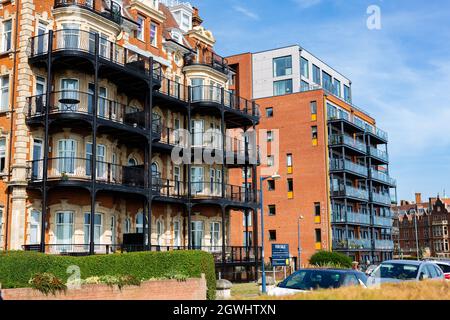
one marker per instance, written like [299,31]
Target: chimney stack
[196,20]
[418,198]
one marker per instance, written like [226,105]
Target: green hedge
[17,267]
[322,258]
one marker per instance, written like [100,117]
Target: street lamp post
[263,275]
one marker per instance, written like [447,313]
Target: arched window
[140,223]
[127,226]
[159,232]
[132,162]
[155,168]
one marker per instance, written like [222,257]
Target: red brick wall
[191,289]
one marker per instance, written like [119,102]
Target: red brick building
[422,227]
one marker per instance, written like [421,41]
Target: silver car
[404,270]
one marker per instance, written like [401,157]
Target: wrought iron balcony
[77,103]
[229,100]
[351,218]
[209,59]
[382,177]
[342,139]
[233,254]
[378,154]
[345,165]
[112,12]
[347,191]
[81,42]
[72,169]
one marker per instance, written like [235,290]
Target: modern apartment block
[334,191]
[94,95]
[422,227]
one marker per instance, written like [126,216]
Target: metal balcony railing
[382,176]
[353,192]
[112,10]
[80,169]
[377,153]
[341,164]
[84,42]
[382,221]
[352,244]
[380,198]
[351,217]
[341,139]
[210,59]
[228,99]
[78,102]
[384,244]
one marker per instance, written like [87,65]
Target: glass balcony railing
[339,139]
[384,244]
[351,217]
[382,176]
[380,154]
[381,198]
[352,244]
[382,221]
[340,164]
[353,192]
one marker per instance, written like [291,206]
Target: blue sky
[400,73]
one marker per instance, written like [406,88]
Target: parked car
[305,280]
[444,265]
[404,270]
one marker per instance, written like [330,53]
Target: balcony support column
[223,239]
[255,209]
[224,144]
[94,149]
[189,184]
[149,154]
[46,144]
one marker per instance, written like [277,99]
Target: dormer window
[186,22]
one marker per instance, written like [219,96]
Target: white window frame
[214,233]
[7,36]
[1,227]
[159,232]
[177,233]
[3,143]
[35,224]
[4,92]
[154,40]
[140,34]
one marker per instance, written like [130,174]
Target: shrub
[17,267]
[47,283]
[327,258]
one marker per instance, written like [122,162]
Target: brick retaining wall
[191,289]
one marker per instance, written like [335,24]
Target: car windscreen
[444,267]
[313,279]
[401,271]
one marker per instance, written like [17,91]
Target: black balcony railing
[82,103]
[233,254]
[113,11]
[174,89]
[83,42]
[228,99]
[210,59]
[80,169]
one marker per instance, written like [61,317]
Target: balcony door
[197,89]
[69,98]
[101,165]
[35,227]
[98,229]
[66,156]
[215,236]
[42,40]
[71,36]
[38,155]
[197,129]
[196,180]
[102,100]
[64,231]
[176,233]
[196,235]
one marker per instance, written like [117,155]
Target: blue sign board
[280,255]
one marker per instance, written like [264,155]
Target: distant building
[430,219]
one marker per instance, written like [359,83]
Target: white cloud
[246,12]
[304,4]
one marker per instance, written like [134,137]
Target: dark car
[305,280]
